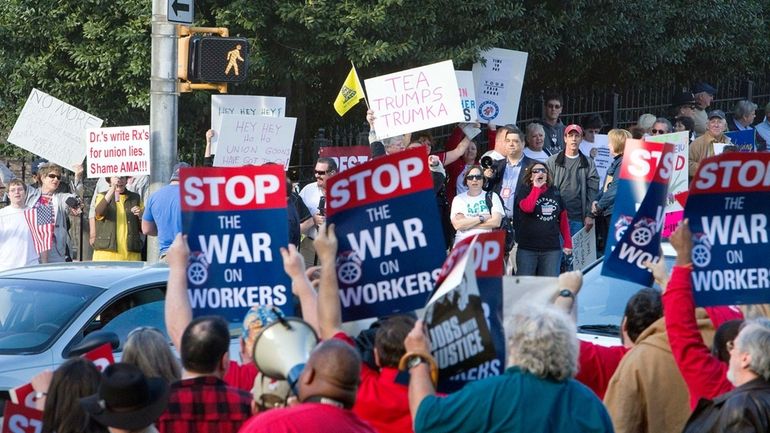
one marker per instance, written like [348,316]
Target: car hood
[16,370]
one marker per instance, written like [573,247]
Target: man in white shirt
[15,234]
[314,197]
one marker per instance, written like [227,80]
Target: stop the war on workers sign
[391,245]
[415,99]
[728,207]
[235,221]
[635,229]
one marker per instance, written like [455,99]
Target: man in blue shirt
[163,213]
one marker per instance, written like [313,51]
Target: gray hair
[754,339]
[664,121]
[331,164]
[543,341]
[147,348]
[744,108]
[534,127]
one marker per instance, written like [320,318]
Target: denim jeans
[541,264]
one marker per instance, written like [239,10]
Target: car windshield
[33,312]
[602,300]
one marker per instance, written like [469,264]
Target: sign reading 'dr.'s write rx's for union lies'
[235,221]
[391,245]
[728,208]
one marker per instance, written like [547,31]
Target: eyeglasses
[321,172]
[659,131]
[54,176]
[474,177]
[539,170]
[554,106]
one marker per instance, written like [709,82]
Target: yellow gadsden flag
[350,93]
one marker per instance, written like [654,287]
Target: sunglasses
[474,177]
[321,172]
[54,176]
[659,131]
[538,170]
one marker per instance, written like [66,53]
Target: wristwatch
[566,293]
[414,361]
[481,218]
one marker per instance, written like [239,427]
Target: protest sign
[100,356]
[467,95]
[120,151]
[243,105]
[346,156]
[487,260]
[53,129]
[743,140]
[498,85]
[678,182]
[599,151]
[235,220]
[583,248]
[728,207]
[634,235]
[391,244]
[23,395]
[21,419]
[254,140]
[458,329]
[414,99]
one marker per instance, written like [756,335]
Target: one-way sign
[180,11]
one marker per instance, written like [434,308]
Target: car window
[32,313]
[140,308]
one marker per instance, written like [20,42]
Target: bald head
[333,371]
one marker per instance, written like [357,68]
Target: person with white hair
[536,392]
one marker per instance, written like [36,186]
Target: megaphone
[486,162]
[282,348]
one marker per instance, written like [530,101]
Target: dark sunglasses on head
[474,177]
[539,170]
[54,176]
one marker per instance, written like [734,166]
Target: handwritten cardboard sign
[121,151]
[414,99]
[254,140]
[53,129]
[243,105]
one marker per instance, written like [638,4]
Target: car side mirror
[92,341]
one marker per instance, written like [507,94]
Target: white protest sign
[599,151]
[120,151]
[583,248]
[498,85]
[678,183]
[254,140]
[243,105]
[414,99]
[53,129]
[467,94]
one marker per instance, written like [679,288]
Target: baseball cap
[717,113]
[684,98]
[175,171]
[704,87]
[573,127]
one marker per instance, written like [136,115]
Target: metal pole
[163,106]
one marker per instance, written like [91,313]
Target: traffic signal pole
[163,106]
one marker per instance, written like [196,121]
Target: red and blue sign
[235,222]
[634,234]
[391,244]
[728,208]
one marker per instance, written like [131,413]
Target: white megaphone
[282,348]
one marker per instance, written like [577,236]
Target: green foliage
[95,54]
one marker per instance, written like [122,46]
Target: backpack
[506,223]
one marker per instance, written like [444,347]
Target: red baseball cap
[573,127]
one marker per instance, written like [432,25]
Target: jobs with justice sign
[728,207]
[391,245]
[235,220]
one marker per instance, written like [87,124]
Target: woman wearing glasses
[470,213]
[118,223]
[542,218]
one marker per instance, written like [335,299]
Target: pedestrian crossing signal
[216,59]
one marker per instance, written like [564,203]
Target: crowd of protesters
[679,368]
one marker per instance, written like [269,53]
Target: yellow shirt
[121,232]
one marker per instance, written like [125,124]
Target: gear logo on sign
[349,267]
[643,232]
[488,110]
[701,250]
[197,269]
